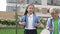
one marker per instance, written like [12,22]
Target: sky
[2,5]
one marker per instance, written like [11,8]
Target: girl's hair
[27,8]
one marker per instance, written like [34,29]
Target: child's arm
[22,21]
[37,24]
[48,25]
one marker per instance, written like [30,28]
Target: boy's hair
[53,10]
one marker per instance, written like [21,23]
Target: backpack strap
[25,19]
[50,23]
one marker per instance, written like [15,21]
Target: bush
[7,22]
[43,21]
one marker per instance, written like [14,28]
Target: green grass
[13,31]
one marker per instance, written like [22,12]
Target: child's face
[54,15]
[30,9]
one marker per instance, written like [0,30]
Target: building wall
[9,15]
[11,4]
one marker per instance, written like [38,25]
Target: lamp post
[16,17]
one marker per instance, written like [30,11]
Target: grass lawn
[13,31]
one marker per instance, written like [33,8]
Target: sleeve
[22,19]
[59,24]
[48,24]
[37,20]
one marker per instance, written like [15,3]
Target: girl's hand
[37,24]
[23,23]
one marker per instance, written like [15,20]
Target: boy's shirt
[56,26]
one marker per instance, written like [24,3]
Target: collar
[30,15]
[53,18]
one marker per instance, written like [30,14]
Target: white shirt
[30,22]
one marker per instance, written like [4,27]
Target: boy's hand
[50,29]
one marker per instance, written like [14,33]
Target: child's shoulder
[49,19]
[23,16]
[36,16]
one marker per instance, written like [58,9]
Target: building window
[53,2]
[13,1]
[11,8]
[38,2]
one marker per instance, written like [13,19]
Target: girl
[30,21]
[53,24]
